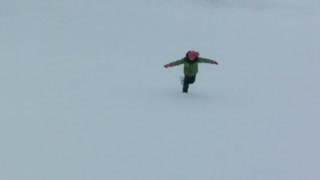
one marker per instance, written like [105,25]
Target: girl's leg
[192,79]
[187,80]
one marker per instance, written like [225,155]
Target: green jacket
[190,68]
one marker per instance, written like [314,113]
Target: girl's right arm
[174,63]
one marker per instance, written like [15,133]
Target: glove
[213,62]
[168,65]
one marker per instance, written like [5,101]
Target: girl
[190,70]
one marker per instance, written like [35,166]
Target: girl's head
[192,55]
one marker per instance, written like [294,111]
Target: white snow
[84,95]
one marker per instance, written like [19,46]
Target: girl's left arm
[206,60]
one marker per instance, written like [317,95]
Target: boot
[185,89]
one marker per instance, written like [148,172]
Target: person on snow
[190,70]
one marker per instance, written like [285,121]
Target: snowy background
[84,95]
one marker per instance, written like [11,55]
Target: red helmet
[192,55]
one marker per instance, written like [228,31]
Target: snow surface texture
[84,95]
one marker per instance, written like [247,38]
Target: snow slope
[84,94]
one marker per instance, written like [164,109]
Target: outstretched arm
[174,63]
[205,60]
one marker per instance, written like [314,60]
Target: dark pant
[188,80]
